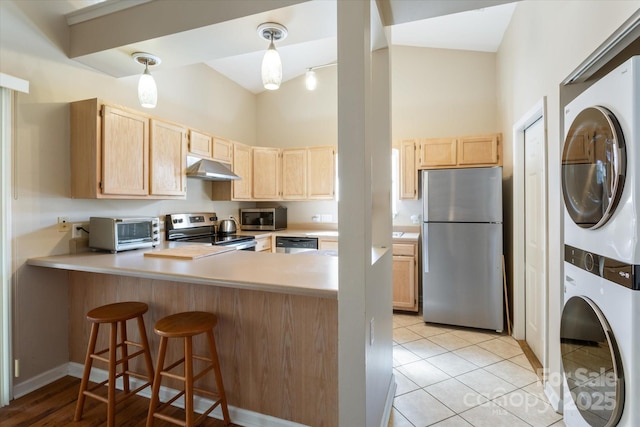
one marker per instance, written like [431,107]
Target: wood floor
[54,405]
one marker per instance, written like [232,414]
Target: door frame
[537,112]
[10,85]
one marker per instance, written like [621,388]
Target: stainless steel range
[203,227]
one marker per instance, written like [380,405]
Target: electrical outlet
[76,230]
[63,224]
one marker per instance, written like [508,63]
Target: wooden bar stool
[116,315]
[187,325]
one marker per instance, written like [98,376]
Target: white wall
[195,96]
[544,43]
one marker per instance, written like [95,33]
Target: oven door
[244,245]
[593,167]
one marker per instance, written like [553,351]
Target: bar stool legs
[116,315]
[186,326]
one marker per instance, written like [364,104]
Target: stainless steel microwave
[263,218]
[121,234]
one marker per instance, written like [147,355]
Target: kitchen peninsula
[277,330]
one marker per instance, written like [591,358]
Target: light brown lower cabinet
[327,244]
[264,243]
[405,276]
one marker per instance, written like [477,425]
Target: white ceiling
[233,48]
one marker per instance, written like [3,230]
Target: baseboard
[39,381]
[388,405]
[553,397]
[238,415]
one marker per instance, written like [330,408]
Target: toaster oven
[121,234]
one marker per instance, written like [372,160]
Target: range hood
[209,170]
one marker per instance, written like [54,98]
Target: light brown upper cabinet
[294,173]
[321,173]
[437,152]
[167,155]
[222,150]
[210,147]
[461,152]
[408,171]
[266,173]
[305,173]
[479,150]
[200,144]
[110,154]
[242,166]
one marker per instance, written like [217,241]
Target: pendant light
[271,63]
[147,89]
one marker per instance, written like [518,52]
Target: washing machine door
[591,362]
[594,162]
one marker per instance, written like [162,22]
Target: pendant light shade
[311,80]
[147,89]
[271,68]
[271,63]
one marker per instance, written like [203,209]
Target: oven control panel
[183,221]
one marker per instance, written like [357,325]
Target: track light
[310,79]
[271,63]
[147,89]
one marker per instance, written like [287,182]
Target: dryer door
[593,167]
[591,362]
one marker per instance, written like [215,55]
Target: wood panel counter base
[278,352]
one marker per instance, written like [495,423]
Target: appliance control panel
[627,275]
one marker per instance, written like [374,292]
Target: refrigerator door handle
[425,195]
[425,247]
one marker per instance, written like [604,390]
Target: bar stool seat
[116,315]
[187,325]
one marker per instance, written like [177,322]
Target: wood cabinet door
[321,173]
[294,174]
[125,153]
[438,152]
[404,283]
[263,244]
[327,245]
[200,144]
[222,150]
[408,170]
[479,150]
[167,154]
[242,166]
[266,173]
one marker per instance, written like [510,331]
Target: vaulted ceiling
[223,33]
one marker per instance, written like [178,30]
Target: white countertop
[300,274]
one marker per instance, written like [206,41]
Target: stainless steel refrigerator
[462,247]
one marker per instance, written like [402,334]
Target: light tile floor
[453,377]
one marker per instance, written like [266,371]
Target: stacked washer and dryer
[600,324]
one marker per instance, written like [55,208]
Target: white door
[535,241]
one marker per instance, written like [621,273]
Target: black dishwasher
[292,245]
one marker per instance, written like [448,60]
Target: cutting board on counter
[190,252]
